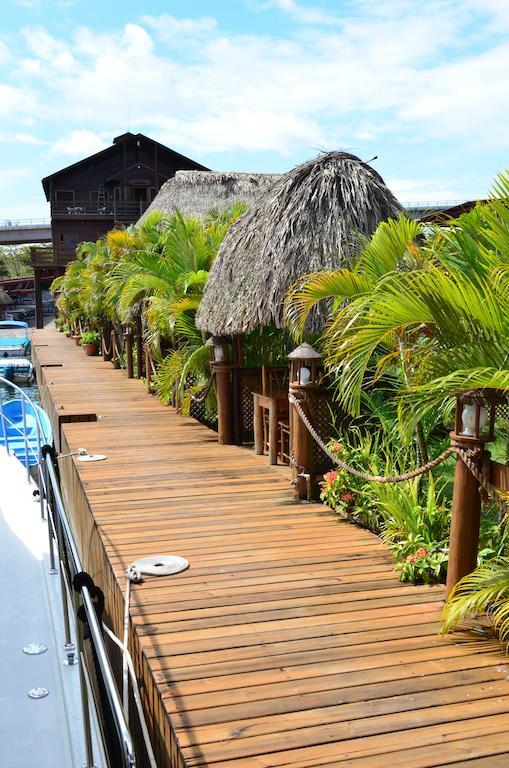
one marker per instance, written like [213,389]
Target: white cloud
[428,190]
[77,144]
[21,138]
[10,176]
[387,73]
[180,32]
[303,14]
[5,54]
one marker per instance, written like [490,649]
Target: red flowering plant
[416,528]
[345,493]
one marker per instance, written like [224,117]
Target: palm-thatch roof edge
[196,193]
[308,220]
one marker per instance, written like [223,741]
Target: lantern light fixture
[475,414]
[304,366]
[219,348]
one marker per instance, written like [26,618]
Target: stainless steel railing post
[124,736]
[25,439]
[4,428]
[87,726]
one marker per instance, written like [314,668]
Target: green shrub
[90,337]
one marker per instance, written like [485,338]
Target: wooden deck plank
[289,641]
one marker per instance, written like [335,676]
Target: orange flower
[330,477]
[337,447]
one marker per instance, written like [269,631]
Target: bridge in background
[25,231]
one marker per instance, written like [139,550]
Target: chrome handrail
[58,524]
[95,631]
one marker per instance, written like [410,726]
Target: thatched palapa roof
[5,299]
[195,193]
[306,221]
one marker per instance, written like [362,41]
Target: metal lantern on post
[304,379]
[474,427]
[220,348]
[304,366]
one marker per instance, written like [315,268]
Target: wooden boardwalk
[289,641]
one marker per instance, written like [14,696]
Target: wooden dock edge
[96,562]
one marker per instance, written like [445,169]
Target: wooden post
[39,318]
[128,337]
[302,446]
[148,368]
[225,434]
[107,343]
[466,515]
[139,348]
[236,404]
[258,426]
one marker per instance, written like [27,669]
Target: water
[8,393]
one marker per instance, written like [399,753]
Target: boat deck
[289,641]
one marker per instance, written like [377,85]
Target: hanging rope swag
[467,456]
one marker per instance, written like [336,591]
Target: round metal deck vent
[38,693]
[34,649]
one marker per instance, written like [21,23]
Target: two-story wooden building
[111,188]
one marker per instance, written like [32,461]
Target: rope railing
[107,348]
[203,396]
[467,456]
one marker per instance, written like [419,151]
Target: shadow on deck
[289,641]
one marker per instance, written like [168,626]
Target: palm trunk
[422,449]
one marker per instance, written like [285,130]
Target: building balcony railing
[118,210]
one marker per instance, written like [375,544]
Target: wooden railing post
[107,343]
[128,337]
[139,347]
[225,432]
[466,515]
[148,368]
[301,446]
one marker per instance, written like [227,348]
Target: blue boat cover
[13,419]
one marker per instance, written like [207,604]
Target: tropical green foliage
[486,590]
[15,261]
[420,316]
[157,271]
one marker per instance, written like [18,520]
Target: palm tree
[392,249]
[161,273]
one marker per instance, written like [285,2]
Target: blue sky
[258,85]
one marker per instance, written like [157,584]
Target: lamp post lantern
[474,427]
[220,348]
[304,379]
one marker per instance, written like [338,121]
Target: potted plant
[90,342]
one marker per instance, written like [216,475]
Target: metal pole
[25,439]
[68,644]
[87,727]
[53,569]
[42,485]
[95,630]
[4,428]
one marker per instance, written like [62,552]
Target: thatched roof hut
[306,221]
[5,299]
[195,193]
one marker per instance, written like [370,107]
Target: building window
[64,195]
[69,241]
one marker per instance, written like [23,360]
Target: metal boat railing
[59,531]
